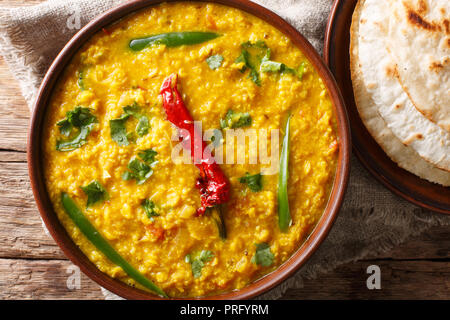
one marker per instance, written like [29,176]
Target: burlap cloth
[372,219]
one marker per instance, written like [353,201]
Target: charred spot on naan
[413,137]
[436,66]
[415,18]
[391,71]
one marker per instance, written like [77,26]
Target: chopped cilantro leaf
[133,110]
[243,58]
[142,126]
[119,131]
[236,120]
[254,182]
[150,209]
[141,169]
[65,127]
[198,261]
[301,70]
[81,119]
[206,255]
[148,156]
[271,66]
[80,80]
[95,193]
[138,171]
[252,55]
[76,142]
[263,256]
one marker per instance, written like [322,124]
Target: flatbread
[419,41]
[429,140]
[400,153]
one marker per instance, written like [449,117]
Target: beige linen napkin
[372,219]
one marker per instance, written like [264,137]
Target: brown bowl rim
[396,179]
[60,235]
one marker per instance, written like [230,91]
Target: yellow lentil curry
[151,221]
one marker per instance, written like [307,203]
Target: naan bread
[419,40]
[429,140]
[400,153]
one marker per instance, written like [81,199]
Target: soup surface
[152,222]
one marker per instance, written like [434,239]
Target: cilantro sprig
[78,123]
[198,261]
[263,256]
[251,56]
[268,65]
[95,193]
[236,120]
[150,209]
[118,129]
[254,182]
[256,57]
[141,168]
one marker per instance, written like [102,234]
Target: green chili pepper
[172,39]
[284,216]
[101,244]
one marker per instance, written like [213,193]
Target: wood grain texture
[33,267]
[413,279]
[43,279]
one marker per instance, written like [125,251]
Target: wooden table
[33,267]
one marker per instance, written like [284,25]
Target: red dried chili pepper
[213,184]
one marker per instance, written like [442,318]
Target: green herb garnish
[214,62]
[80,80]
[118,130]
[118,126]
[65,127]
[141,169]
[138,171]
[95,193]
[148,156]
[263,256]
[251,55]
[268,65]
[80,118]
[236,120]
[198,261]
[133,110]
[150,209]
[143,123]
[254,182]
[142,126]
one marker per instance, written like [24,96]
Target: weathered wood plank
[43,279]
[420,279]
[14,114]
[21,232]
[47,279]
[12,156]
